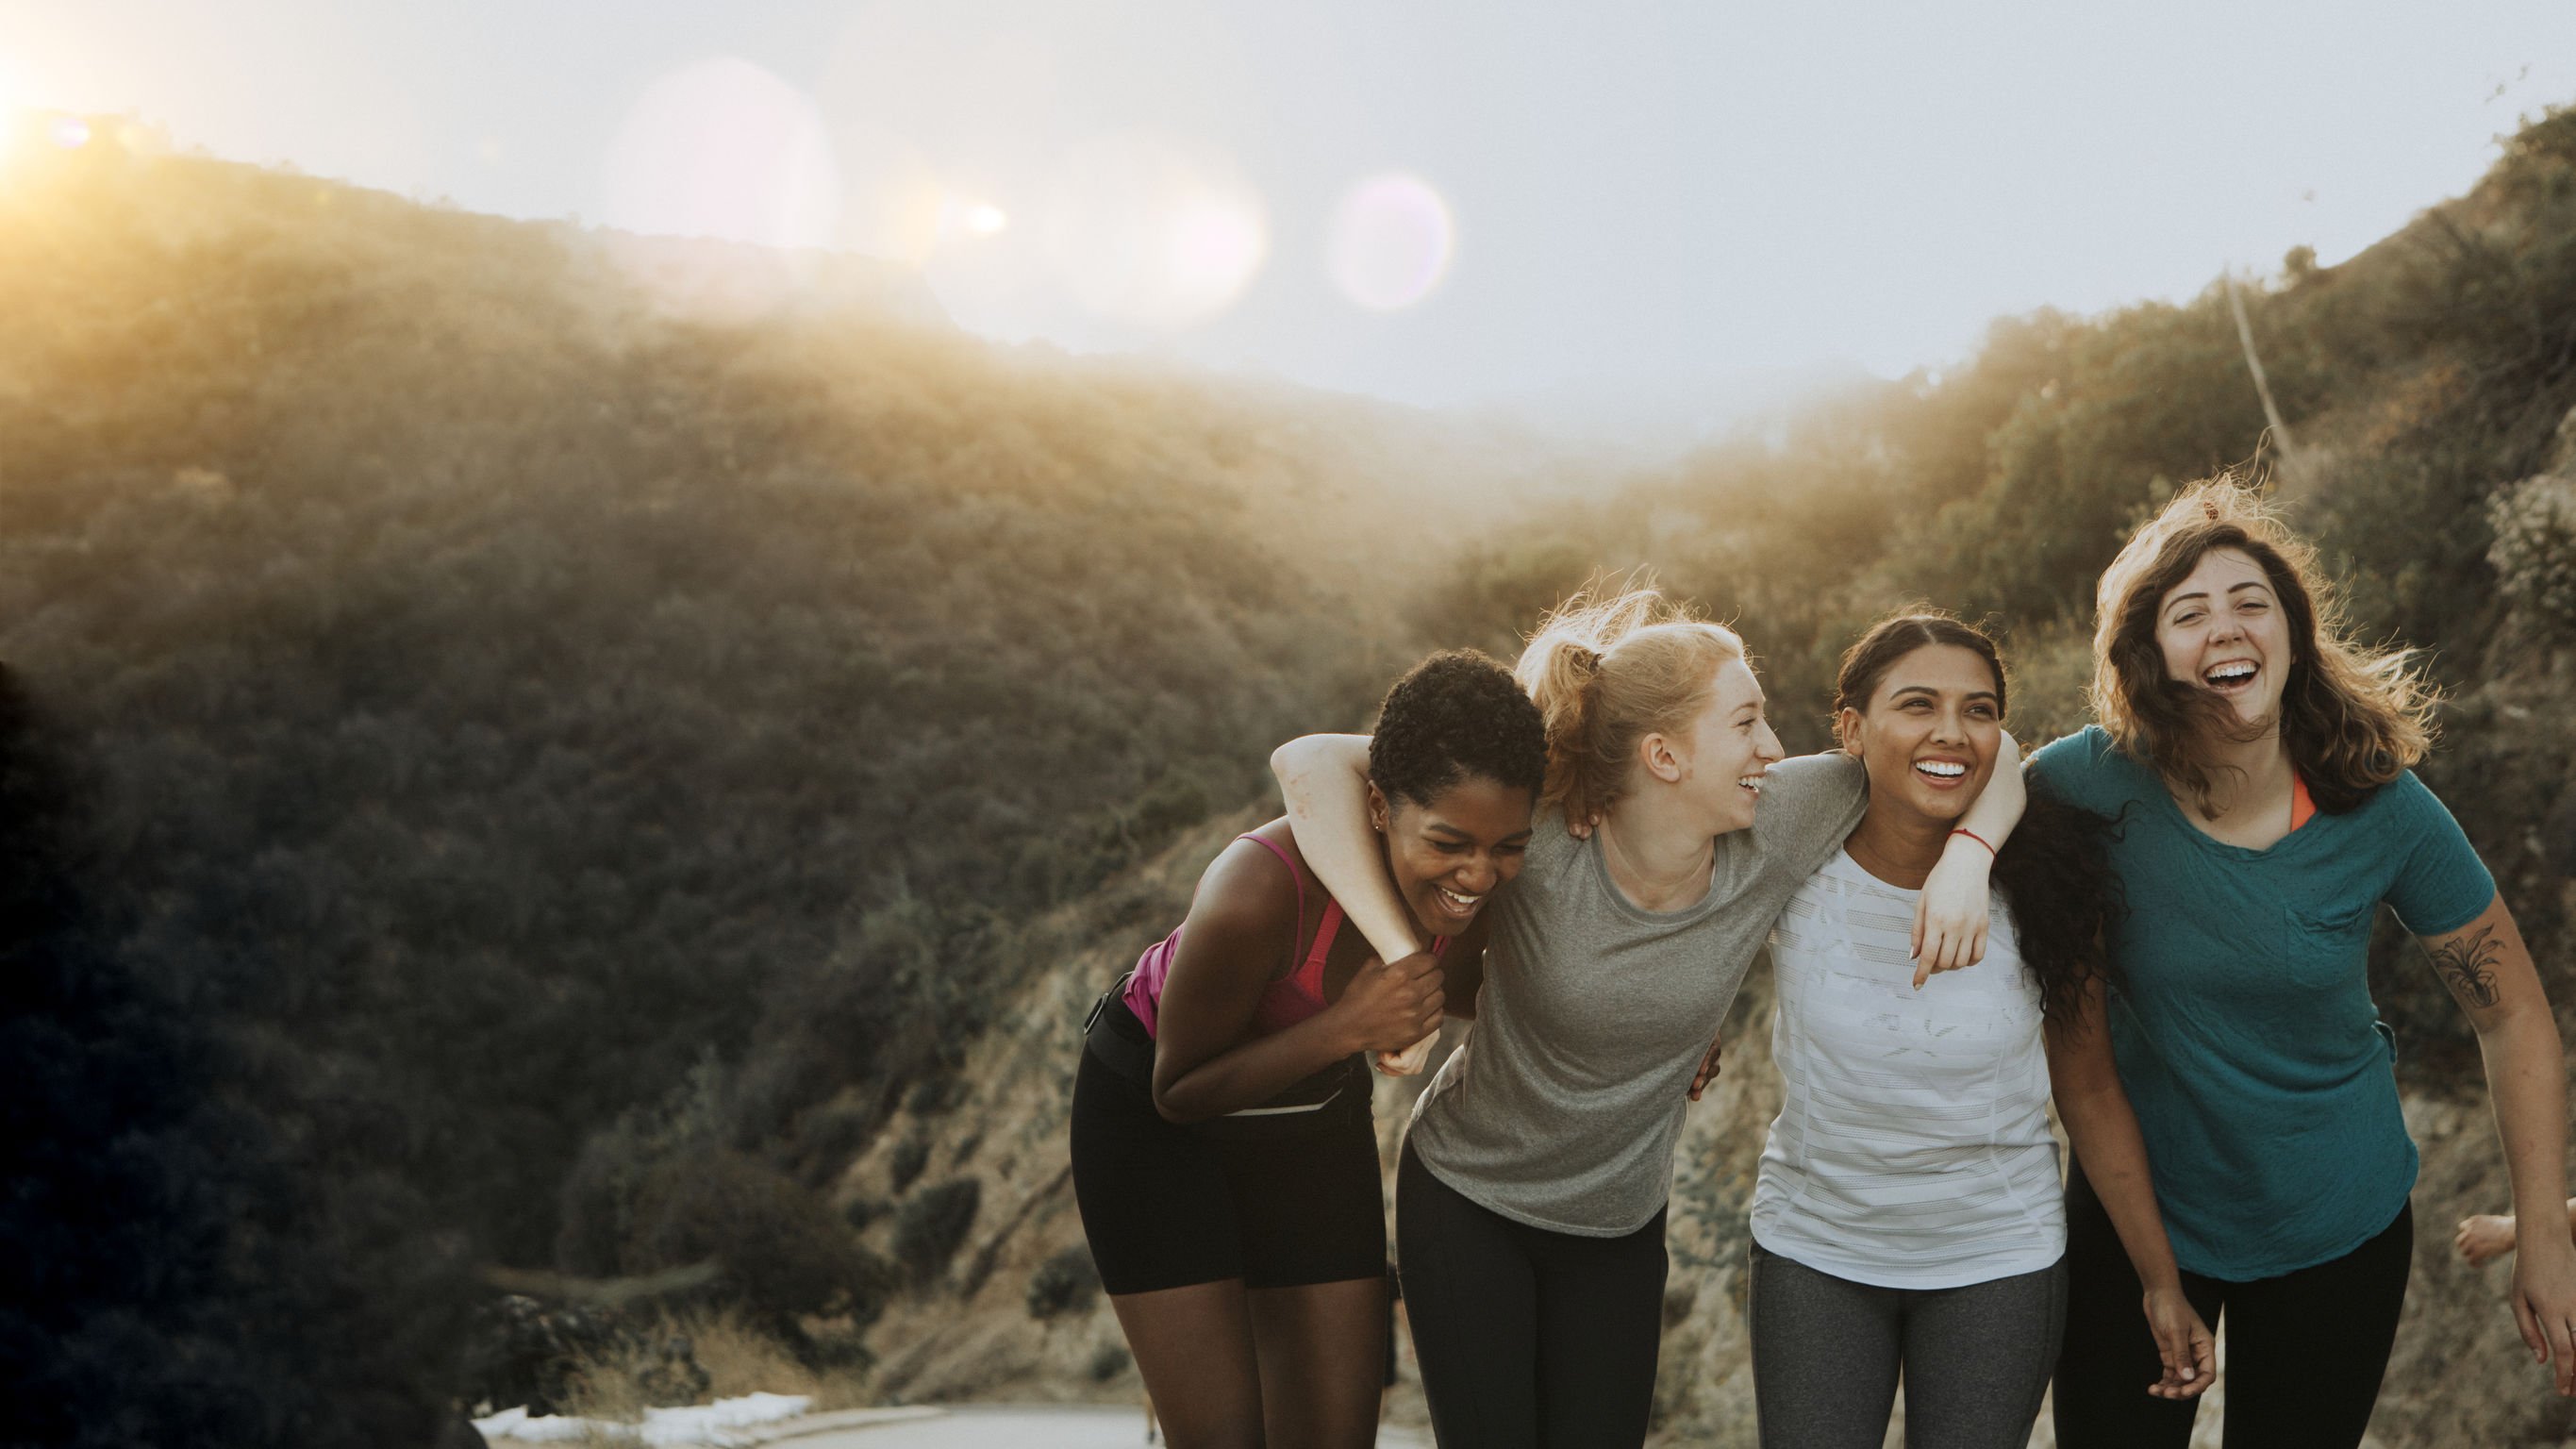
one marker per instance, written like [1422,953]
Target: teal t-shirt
[2244,1029]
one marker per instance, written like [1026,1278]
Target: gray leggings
[1826,1352]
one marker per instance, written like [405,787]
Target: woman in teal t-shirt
[2259,761]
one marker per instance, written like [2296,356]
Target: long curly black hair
[2055,869]
[1456,715]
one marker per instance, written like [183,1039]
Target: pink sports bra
[1287,1001]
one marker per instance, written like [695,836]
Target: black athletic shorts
[1165,1206]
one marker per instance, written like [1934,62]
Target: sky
[1621,208]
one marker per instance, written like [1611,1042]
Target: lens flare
[985,219]
[724,149]
[1153,232]
[1390,242]
[69,132]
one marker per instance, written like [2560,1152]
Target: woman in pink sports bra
[1223,1155]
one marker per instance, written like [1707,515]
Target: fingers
[1411,1060]
[1708,1067]
[2190,1358]
[2204,1361]
[2530,1326]
[2174,1347]
[2562,1356]
[1944,946]
[1921,908]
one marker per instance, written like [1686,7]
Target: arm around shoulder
[1323,780]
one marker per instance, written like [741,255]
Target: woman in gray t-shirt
[1530,1199]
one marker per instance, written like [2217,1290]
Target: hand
[1950,914]
[1390,1007]
[1707,1072]
[2190,1354]
[2484,1238]
[1410,1061]
[2544,1306]
[1582,829]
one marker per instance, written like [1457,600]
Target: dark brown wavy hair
[2352,717]
[2055,869]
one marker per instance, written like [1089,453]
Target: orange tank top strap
[2303,807]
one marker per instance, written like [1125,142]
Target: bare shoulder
[1248,894]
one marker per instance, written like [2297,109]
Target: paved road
[1051,1426]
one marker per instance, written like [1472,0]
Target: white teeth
[1462,902]
[2235,673]
[1752,783]
[1945,769]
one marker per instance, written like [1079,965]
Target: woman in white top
[1908,1215]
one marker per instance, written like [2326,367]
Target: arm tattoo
[2467,966]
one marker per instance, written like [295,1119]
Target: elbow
[1176,1107]
[1292,762]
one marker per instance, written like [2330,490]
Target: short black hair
[1456,714]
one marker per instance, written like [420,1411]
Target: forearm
[1253,1073]
[1999,806]
[2104,1132]
[1323,779]
[2526,1076]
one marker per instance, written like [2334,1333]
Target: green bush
[1065,1283]
[781,1250]
[904,1167]
[933,1225]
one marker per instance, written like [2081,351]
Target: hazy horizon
[1640,219]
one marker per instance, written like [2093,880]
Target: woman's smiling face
[1931,731]
[1447,856]
[1727,748]
[2221,630]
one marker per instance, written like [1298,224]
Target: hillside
[516,683]
[547,757]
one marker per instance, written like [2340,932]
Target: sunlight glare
[69,132]
[1154,232]
[1390,242]
[724,149]
[986,219]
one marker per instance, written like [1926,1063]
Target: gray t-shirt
[1561,1108]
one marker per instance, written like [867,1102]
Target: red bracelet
[1972,835]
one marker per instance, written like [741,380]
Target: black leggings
[2305,1351]
[1525,1337]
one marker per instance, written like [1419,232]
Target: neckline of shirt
[1724,883]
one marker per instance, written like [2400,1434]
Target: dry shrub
[738,1358]
[2534,553]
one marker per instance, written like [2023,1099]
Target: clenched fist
[1390,1006]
